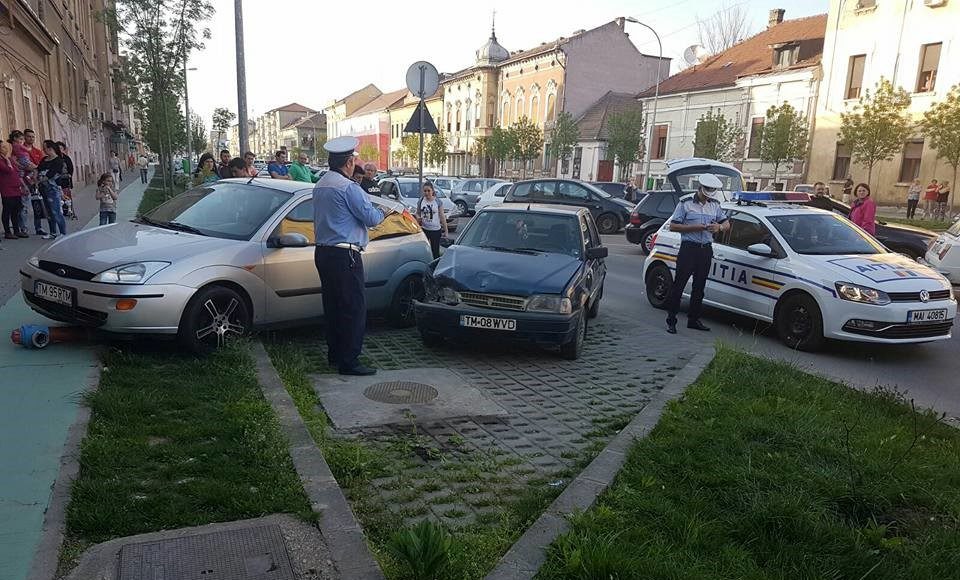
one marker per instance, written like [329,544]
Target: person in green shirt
[300,171]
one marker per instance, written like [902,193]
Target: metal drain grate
[400,392]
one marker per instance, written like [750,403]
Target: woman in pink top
[864,212]
[10,191]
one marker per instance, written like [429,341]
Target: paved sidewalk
[39,397]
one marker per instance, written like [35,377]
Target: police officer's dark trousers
[344,303]
[692,259]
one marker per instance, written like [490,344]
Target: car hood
[890,272]
[908,229]
[623,203]
[497,272]
[98,249]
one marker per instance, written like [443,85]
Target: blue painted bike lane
[40,393]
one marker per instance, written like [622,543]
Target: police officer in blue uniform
[341,215]
[697,219]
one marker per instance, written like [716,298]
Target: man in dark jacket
[369,184]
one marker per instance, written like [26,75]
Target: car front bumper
[541,328]
[888,324]
[157,310]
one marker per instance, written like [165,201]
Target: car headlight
[34,261]
[448,296]
[855,293]
[136,273]
[549,303]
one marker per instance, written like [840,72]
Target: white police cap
[710,180]
[342,146]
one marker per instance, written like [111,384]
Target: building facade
[266,138]
[589,160]
[56,63]
[371,125]
[400,114]
[911,43]
[233,137]
[778,65]
[306,135]
[340,110]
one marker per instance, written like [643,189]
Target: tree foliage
[527,142]
[222,119]
[369,152]
[724,28]
[435,150]
[198,139]
[410,152]
[784,136]
[878,125]
[941,124]
[717,137]
[500,144]
[564,136]
[625,138]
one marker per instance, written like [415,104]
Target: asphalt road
[928,373]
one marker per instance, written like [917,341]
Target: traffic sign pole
[420,108]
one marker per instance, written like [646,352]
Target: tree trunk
[776,171]
[869,176]
[953,188]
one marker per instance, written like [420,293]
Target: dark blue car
[518,273]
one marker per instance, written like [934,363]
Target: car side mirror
[293,240]
[597,253]
[761,250]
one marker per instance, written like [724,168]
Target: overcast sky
[298,50]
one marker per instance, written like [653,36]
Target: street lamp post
[186,106]
[656,96]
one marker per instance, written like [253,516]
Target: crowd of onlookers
[936,199]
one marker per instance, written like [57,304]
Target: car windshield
[524,231]
[232,210]
[822,234]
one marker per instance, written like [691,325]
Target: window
[785,56]
[505,114]
[449,121]
[11,113]
[746,230]
[551,107]
[518,112]
[756,137]
[572,191]
[910,166]
[27,113]
[861,4]
[855,75]
[659,142]
[467,123]
[667,204]
[535,109]
[841,163]
[929,61]
[458,120]
[536,190]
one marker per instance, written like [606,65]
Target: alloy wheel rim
[800,323]
[220,325]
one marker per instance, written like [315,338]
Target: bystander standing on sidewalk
[930,199]
[223,168]
[115,168]
[107,196]
[847,190]
[66,181]
[913,198]
[206,170]
[278,167]
[249,169]
[28,178]
[864,211]
[10,193]
[50,170]
[943,199]
[143,164]
[29,140]
[300,171]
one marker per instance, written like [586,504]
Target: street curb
[337,522]
[524,559]
[46,556]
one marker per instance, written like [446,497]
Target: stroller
[68,204]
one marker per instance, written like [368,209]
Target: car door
[574,194]
[293,285]
[597,269]
[740,280]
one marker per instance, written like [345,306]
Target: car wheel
[608,223]
[659,282]
[462,206]
[214,316]
[595,307]
[401,314]
[572,349]
[646,240]
[800,323]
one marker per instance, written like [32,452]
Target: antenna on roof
[694,54]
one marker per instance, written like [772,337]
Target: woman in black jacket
[50,170]
[66,182]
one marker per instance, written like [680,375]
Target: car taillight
[943,252]
[635,218]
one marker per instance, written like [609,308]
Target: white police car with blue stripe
[814,275]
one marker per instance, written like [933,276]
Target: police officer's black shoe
[697,325]
[672,327]
[358,371]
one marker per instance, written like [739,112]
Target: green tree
[878,125]
[435,150]
[527,142]
[563,136]
[369,152]
[222,119]
[199,138]
[156,35]
[717,137]
[784,136]
[499,146]
[624,139]
[941,123]
[410,151]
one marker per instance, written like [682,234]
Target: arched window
[458,119]
[449,121]
[535,109]
[519,110]
[551,107]
[505,114]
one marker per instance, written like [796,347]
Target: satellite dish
[694,54]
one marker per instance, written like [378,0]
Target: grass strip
[155,195]
[764,472]
[932,225]
[178,441]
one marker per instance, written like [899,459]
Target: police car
[814,275]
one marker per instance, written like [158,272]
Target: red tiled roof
[593,124]
[751,57]
[381,103]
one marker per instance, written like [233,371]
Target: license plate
[921,316]
[487,322]
[53,293]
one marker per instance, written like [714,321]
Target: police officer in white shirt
[696,219]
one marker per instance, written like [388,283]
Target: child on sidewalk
[107,196]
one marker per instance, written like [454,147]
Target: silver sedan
[215,262]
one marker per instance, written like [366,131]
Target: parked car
[809,188]
[446,182]
[909,240]
[813,275]
[214,263]
[518,273]
[944,254]
[467,192]
[614,188]
[406,190]
[610,213]
[493,195]
[650,213]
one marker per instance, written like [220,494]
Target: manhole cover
[399,392]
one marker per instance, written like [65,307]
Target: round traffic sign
[422,79]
